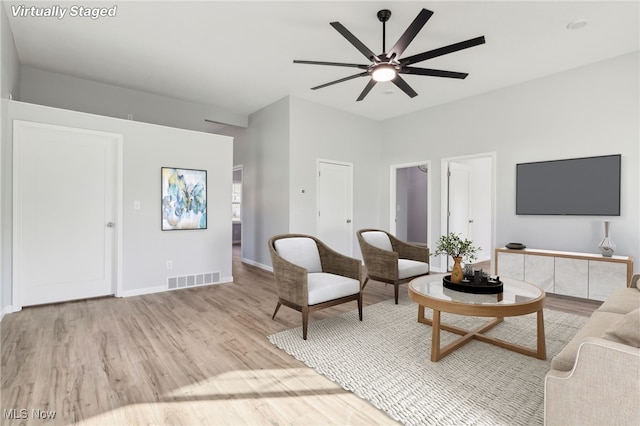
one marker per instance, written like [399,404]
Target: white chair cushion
[301,251]
[323,286]
[410,268]
[378,239]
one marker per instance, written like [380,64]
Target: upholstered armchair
[310,276]
[391,260]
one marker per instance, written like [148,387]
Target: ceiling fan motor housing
[384,15]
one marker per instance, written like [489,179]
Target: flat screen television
[579,186]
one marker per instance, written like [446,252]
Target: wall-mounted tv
[579,186]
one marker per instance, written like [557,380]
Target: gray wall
[147,148]
[320,132]
[263,152]
[63,91]
[588,111]
[9,84]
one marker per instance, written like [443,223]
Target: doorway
[236,206]
[335,205]
[410,202]
[67,222]
[468,200]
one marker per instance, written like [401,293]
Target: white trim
[8,310]
[257,264]
[162,289]
[116,288]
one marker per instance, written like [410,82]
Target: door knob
[110,224]
[348,220]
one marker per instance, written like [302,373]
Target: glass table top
[515,292]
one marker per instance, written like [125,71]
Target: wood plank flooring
[186,357]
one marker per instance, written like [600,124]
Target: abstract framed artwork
[184,199]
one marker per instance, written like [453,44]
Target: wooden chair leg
[396,290]
[365,283]
[360,306]
[305,321]
[276,311]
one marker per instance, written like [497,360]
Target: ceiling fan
[388,66]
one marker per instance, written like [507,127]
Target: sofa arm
[603,387]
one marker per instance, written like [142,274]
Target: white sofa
[595,379]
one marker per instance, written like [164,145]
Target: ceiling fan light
[383,72]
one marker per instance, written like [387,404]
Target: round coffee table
[517,298]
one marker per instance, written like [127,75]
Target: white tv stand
[586,275]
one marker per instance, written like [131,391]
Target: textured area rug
[385,359]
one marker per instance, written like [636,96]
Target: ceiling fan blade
[366,89]
[432,72]
[410,32]
[355,42]
[404,86]
[442,51]
[335,64]
[362,74]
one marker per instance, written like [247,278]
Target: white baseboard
[8,310]
[141,291]
[160,289]
[259,265]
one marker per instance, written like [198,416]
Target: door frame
[16,301]
[393,172]
[339,163]
[444,193]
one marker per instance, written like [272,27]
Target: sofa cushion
[323,286]
[595,327]
[626,330]
[621,301]
[301,251]
[378,239]
[411,268]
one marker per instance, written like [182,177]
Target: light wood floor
[186,357]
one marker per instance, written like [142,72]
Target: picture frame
[183,199]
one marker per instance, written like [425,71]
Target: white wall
[320,132]
[588,111]
[9,84]
[147,148]
[63,91]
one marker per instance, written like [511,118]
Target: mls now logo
[23,414]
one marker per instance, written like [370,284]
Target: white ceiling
[238,54]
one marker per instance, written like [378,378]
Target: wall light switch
[136,205]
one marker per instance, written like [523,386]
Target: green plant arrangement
[455,246]
[459,249]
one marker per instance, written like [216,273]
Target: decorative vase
[607,246]
[456,272]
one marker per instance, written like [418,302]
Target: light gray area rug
[385,359]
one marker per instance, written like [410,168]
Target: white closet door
[64,213]
[335,206]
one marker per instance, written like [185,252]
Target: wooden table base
[437,353]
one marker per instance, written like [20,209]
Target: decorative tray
[490,286]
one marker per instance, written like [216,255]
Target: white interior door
[459,220]
[335,205]
[64,213]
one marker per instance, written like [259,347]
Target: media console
[585,275]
